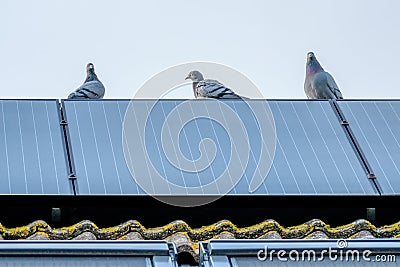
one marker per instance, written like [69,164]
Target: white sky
[45,44]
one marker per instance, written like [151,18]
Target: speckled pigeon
[319,84]
[206,88]
[92,88]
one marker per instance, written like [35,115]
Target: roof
[187,239]
[345,150]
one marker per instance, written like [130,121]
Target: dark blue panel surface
[32,155]
[95,129]
[198,146]
[313,155]
[376,125]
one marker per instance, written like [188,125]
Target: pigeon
[92,88]
[319,84]
[206,88]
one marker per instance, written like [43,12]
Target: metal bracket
[371,214]
[204,254]
[344,123]
[371,176]
[55,214]
[72,176]
[63,122]
[173,252]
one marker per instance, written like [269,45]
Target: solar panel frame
[38,138]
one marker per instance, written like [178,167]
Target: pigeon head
[310,56]
[91,76]
[312,63]
[195,76]
[90,67]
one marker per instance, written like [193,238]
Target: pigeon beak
[187,78]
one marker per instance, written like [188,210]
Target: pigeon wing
[333,87]
[89,90]
[308,89]
[214,89]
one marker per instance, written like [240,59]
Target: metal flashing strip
[125,253]
[227,253]
[85,247]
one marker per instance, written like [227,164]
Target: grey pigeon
[206,88]
[319,84]
[92,88]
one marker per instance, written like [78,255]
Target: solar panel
[198,147]
[313,155]
[95,133]
[177,141]
[376,125]
[32,155]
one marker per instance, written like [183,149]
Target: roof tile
[187,239]
[85,236]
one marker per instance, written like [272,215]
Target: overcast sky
[45,44]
